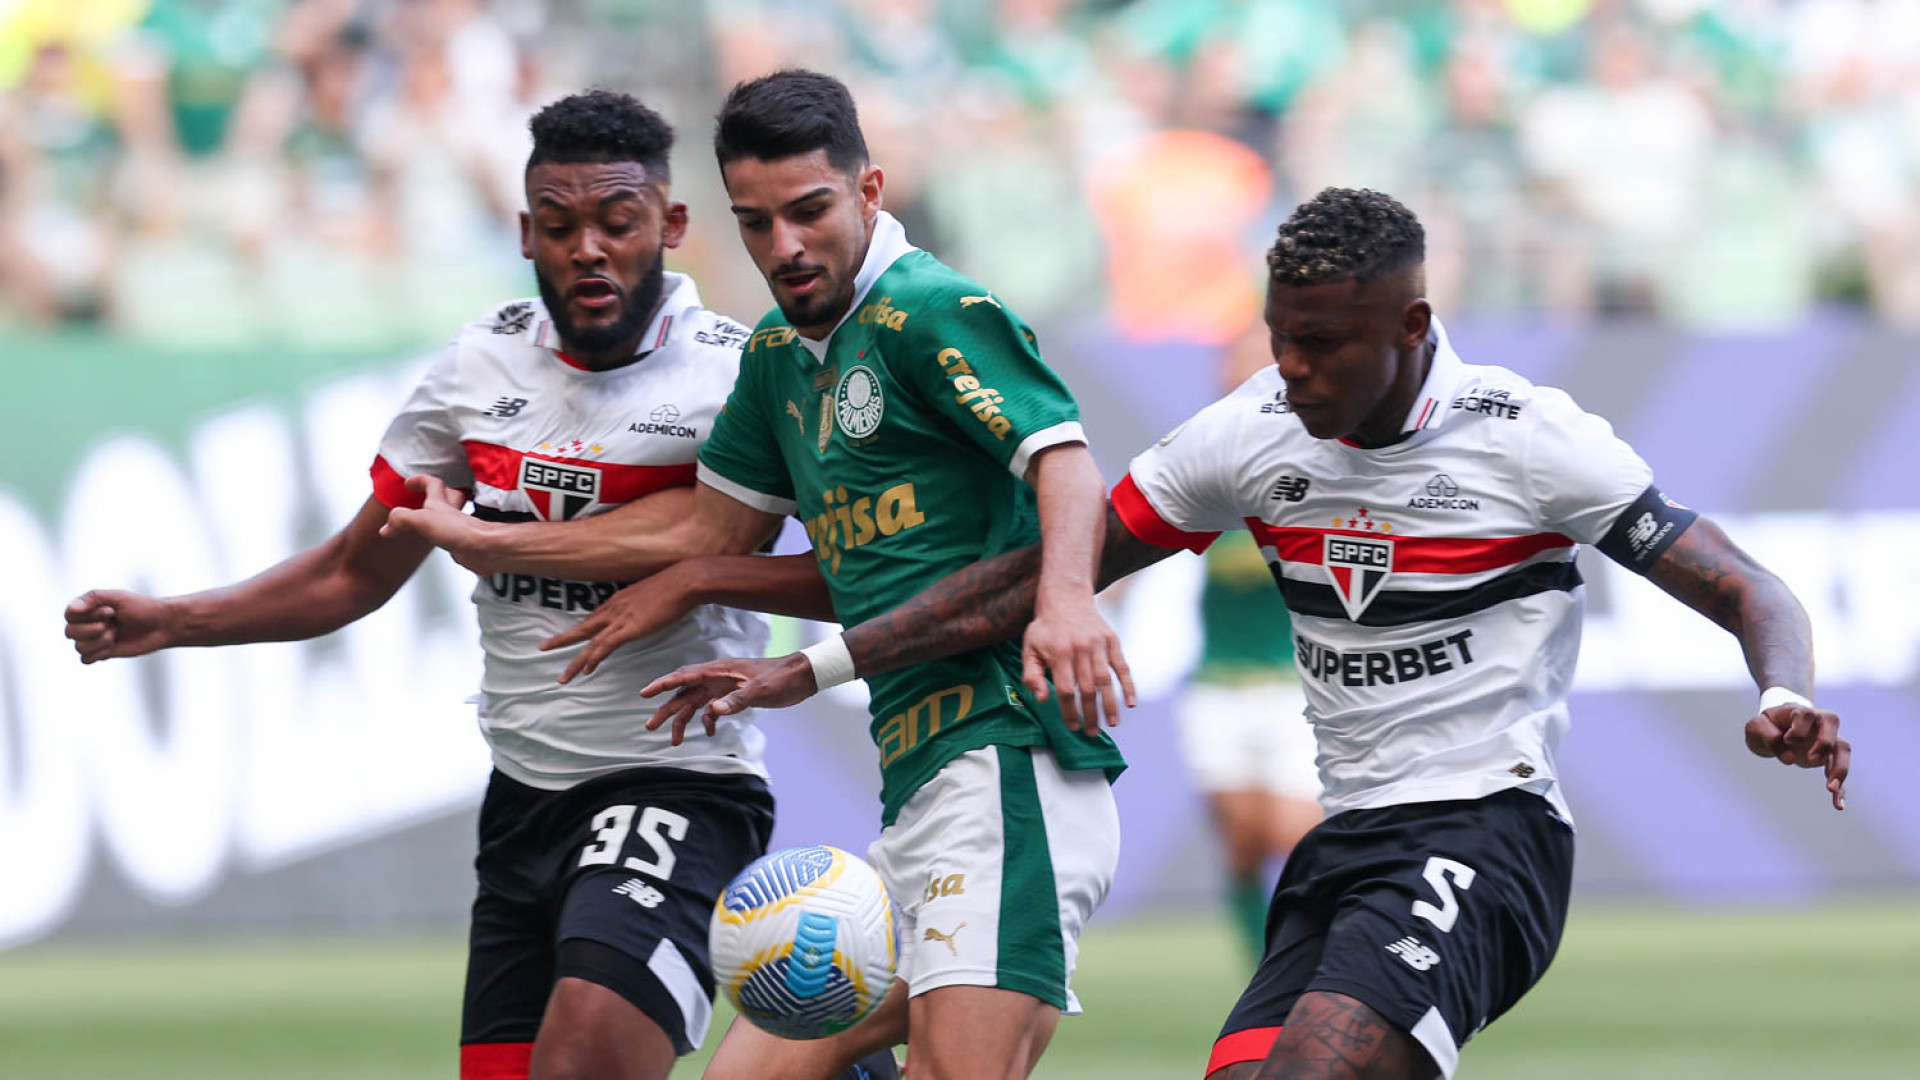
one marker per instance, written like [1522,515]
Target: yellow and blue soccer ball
[802,942]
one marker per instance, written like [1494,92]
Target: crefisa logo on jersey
[559,491]
[1359,566]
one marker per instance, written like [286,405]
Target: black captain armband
[1644,529]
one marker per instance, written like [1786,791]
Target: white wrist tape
[832,663]
[1779,695]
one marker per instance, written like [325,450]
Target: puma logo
[969,301]
[794,411]
[935,935]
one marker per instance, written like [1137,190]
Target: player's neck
[1383,428]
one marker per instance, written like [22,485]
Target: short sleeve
[423,438]
[741,458]
[978,364]
[1179,493]
[1581,475]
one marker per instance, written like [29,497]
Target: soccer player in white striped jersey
[1428,563]
[602,847]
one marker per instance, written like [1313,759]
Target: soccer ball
[802,942]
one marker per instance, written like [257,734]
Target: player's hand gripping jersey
[1436,605]
[902,442]
[507,415]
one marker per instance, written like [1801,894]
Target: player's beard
[636,309]
[812,311]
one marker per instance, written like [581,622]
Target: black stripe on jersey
[488,513]
[1400,607]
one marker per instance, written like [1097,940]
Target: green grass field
[1829,992]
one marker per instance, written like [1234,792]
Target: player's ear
[1415,320]
[869,185]
[526,235]
[675,229]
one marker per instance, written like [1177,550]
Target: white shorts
[994,867]
[1249,738]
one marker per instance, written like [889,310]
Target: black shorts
[612,881]
[1438,916]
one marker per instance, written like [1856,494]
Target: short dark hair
[790,112]
[1344,233]
[601,126]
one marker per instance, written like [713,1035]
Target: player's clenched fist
[106,623]
[1807,737]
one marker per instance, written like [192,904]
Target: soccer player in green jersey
[903,412]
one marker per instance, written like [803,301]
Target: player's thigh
[977,1033]
[1222,739]
[644,871]
[748,1053]
[1456,913]
[592,1031]
[1244,817]
[995,865]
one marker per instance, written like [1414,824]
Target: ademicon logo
[191,766]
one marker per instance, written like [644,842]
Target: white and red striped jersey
[505,413]
[1436,605]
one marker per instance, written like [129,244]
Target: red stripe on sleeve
[1415,554]
[499,467]
[1253,1044]
[391,488]
[1144,522]
[496,1061]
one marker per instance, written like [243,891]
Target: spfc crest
[1359,566]
[559,491]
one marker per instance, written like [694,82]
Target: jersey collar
[678,296]
[1429,408]
[888,244]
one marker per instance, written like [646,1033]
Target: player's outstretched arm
[623,544]
[1710,574]
[968,609]
[315,592]
[778,585]
[1067,636]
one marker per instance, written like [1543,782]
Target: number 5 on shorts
[610,834]
[1437,872]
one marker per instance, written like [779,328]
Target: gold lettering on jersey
[984,401]
[772,337]
[847,521]
[826,420]
[922,721]
[883,314]
[950,885]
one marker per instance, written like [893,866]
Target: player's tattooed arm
[979,605]
[971,608]
[1706,571]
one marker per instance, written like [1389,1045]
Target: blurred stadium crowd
[348,170]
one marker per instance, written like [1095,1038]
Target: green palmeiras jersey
[902,441]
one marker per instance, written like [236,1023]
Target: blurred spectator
[57,157]
[1569,156]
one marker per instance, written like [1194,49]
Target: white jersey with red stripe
[1436,605]
[504,413]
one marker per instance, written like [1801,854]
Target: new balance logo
[1417,956]
[1290,488]
[641,893]
[507,406]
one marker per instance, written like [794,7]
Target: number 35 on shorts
[610,831]
[1444,875]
